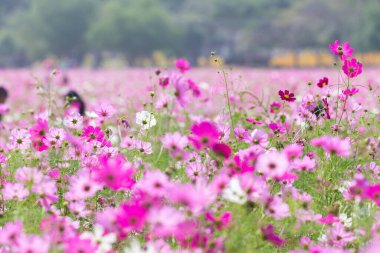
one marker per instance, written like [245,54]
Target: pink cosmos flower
[204,134]
[165,221]
[275,107]
[333,145]
[144,147]
[329,219]
[59,228]
[78,208]
[293,151]
[105,111]
[33,244]
[38,134]
[194,87]
[93,134]
[175,142]
[276,208]
[73,120]
[181,86]
[259,138]
[287,96]
[352,67]
[76,245]
[114,173]
[132,217]
[304,164]
[220,222]
[277,128]
[55,137]
[272,164]
[323,82]
[338,235]
[153,183]
[182,65]
[83,186]
[14,191]
[11,232]
[241,133]
[20,139]
[195,170]
[350,92]
[254,121]
[342,51]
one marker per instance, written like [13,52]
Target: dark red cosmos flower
[270,236]
[222,149]
[323,82]
[287,96]
[327,108]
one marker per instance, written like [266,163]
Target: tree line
[241,31]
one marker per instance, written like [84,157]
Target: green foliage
[136,27]
[242,31]
[52,27]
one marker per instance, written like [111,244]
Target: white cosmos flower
[234,192]
[347,221]
[135,247]
[145,119]
[104,241]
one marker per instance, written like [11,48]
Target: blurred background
[117,33]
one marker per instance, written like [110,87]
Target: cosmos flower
[272,164]
[100,238]
[91,133]
[20,139]
[204,134]
[104,111]
[352,68]
[342,51]
[182,65]
[333,145]
[270,236]
[287,96]
[323,82]
[145,119]
[350,92]
[234,192]
[76,244]
[14,191]
[73,120]
[114,173]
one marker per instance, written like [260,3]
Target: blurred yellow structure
[311,59]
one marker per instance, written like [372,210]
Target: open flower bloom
[287,96]
[352,68]
[342,51]
[145,119]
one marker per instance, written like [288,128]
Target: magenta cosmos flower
[182,65]
[323,82]
[287,96]
[350,92]
[352,68]
[204,134]
[270,235]
[342,51]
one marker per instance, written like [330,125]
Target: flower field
[191,160]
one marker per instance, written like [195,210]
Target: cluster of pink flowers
[173,174]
